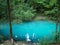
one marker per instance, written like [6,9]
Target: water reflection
[27,37]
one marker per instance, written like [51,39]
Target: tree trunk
[57,35]
[9,17]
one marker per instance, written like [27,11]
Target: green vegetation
[22,12]
[28,10]
[1,38]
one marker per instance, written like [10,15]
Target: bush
[1,38]
[23,11]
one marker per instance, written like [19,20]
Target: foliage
[3,9]
[22,11]
[1,38]
[45,7]
[25,10]
[46,3]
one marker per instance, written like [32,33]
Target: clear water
[37,30]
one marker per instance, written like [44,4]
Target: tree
[3,10]
[23,12]
[9,17]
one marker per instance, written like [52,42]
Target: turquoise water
[37,30]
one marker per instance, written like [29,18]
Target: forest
[28,10]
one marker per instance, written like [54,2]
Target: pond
[30,31]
